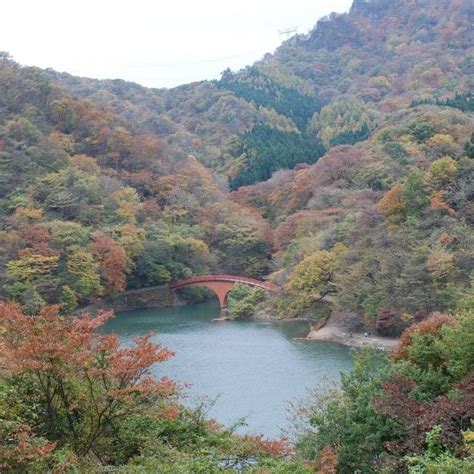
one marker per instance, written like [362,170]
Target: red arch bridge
[222,284]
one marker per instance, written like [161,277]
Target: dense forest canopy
[340,167]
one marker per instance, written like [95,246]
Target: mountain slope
[384,89]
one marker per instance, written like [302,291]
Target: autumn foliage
[327,461]
[399,401]
[429,328]
[19,450]
[81,382]
[108,185]
[113,263]
[75,399]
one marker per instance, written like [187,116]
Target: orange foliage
[438,202]
[22,449]
[69,353]
[275,447]
[113,262]
[327,461]
[169,413]
[25,215]
[445,239]
[84,163]
[37,237]
[393,204]
[432,325]
[213,426]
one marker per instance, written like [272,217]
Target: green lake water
[252,368]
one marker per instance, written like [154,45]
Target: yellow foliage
[64,141]
[406,317]
[29,265]
[442,172]
[443,144]
[339,249]
[440,139]
[393,204]
[379,82]
[26,215]
[131,238]
[407,138]
[128,203]
[84,163]
[469,440]
[198,246]
[440,263]
[312,276]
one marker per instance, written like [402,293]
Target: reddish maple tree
[113,262]
[429,326]
[387,321]
[81,382]
[19,448]
[327,460]
[453,414]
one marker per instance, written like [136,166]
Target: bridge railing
[232,278]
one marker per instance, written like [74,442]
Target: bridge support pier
[221,289]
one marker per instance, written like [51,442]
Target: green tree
[313,278]
[83,272]
[68,299]
[415,194]
[346,418]
[442,173]
[243,300]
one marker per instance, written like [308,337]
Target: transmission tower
[287,33]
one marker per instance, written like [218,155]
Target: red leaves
[75,371]
[274,447]
[397,401]
[387,320]
[432,326]
[327,460]
[113,261]
[170,413]
[37,237]
[453,412]
[47,340]
[22,449]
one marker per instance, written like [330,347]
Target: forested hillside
[107,185]
[95,198]
[381,226]
[340,167]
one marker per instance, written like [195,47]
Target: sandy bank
[334,333]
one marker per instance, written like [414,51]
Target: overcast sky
[157,43]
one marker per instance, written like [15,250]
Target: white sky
[157,43]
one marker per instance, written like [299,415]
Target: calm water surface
[253,368]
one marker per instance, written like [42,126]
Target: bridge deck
[230,278]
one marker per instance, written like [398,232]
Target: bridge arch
[222,284]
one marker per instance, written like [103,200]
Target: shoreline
[160,297]
[333,333]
